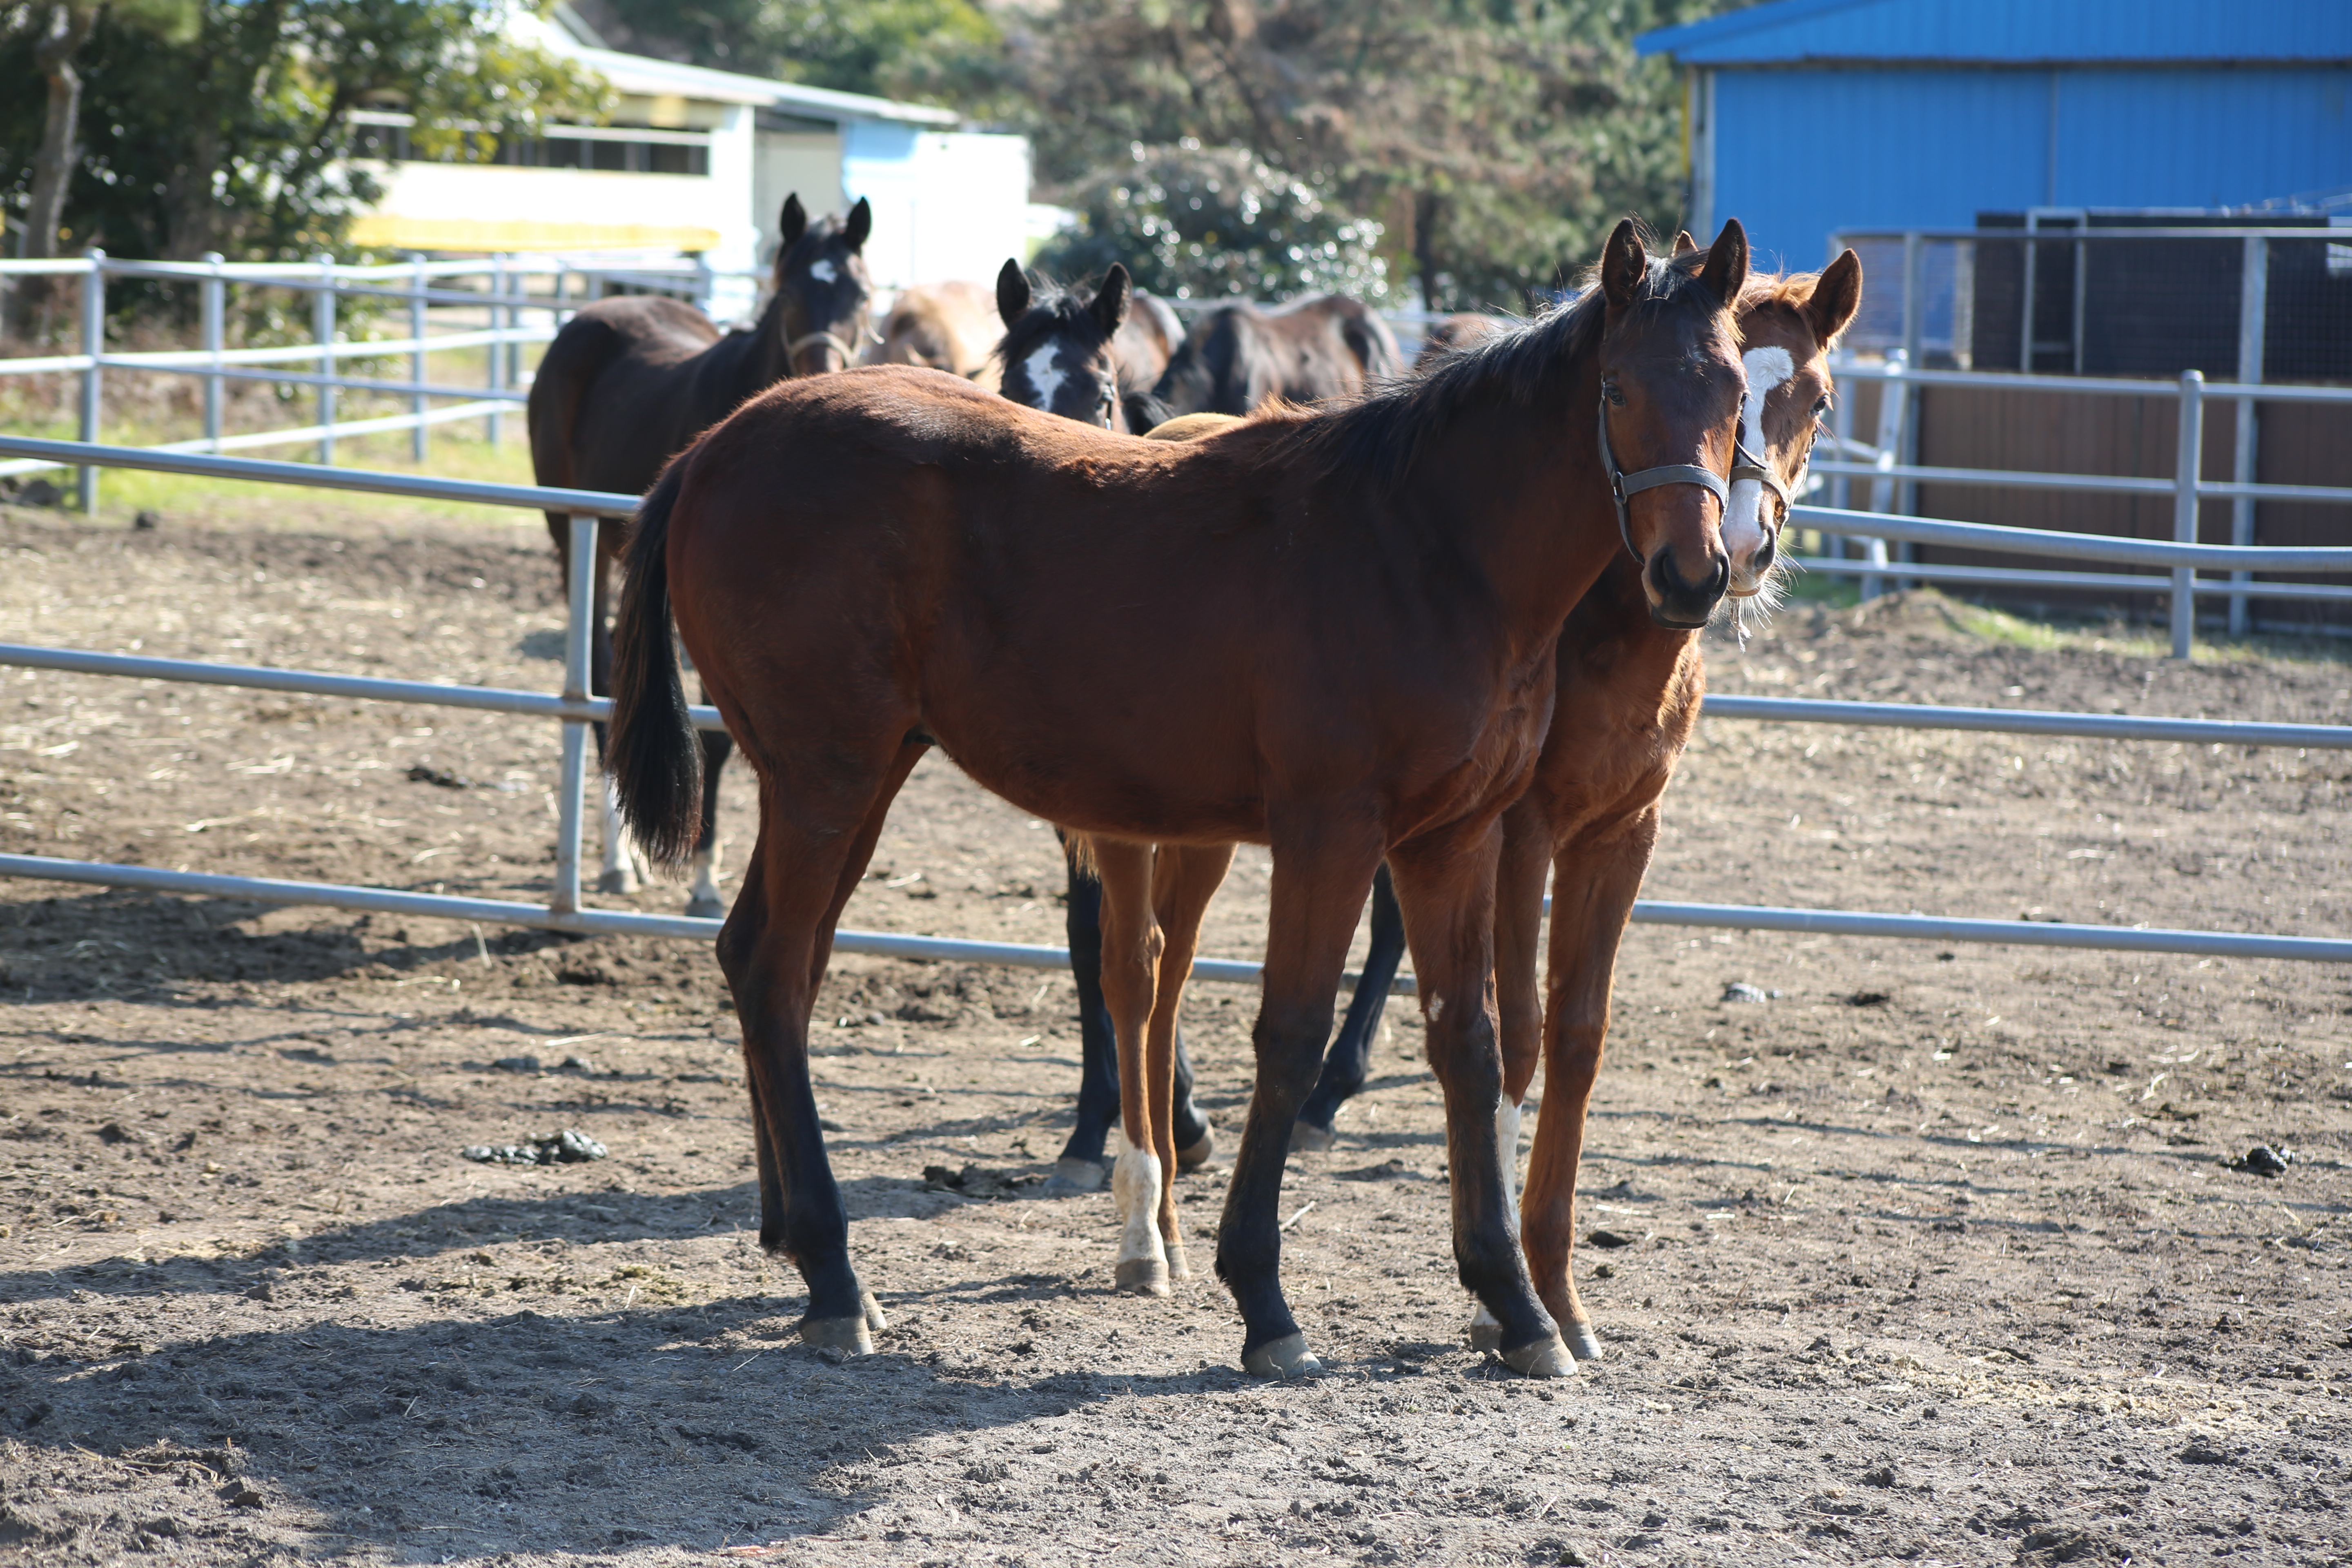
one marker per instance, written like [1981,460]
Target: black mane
[1376,438]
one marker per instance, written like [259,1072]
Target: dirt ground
[1939,1256]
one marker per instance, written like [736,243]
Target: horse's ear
[794,223]
[1623,265]
[1012,292]
[1112,300]
[1725,273]
[1684,243]
[1837,295]
[860,225]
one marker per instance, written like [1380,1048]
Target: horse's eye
[1614,393]
[1821,409]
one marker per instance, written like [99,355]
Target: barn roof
[2015,32]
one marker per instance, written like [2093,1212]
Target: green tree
[931,51]
[225,124]
[1198,223]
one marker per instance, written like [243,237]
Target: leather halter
[1745,465]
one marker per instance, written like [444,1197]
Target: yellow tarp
[385,231]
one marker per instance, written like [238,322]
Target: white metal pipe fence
[576,708]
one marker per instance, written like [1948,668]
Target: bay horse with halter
[630,380]
[1332,632]
[1236,357]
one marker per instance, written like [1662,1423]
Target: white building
[700,161]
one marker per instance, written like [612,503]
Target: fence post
[2253,311]
[497,423]
[571,781]
[417,402]
[215,311]
[93,344]
[1915,312]
[2184,505]
[1893,401]
[322,329]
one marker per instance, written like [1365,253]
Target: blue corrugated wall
[1800,152]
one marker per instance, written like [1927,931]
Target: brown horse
[1329,632]
[1629,693]
[630,382]
[948,326]
[1237,357]
[1455,333]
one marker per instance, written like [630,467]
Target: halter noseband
[793,350]
[1745,465]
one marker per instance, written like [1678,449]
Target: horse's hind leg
[1080,1167]
[1184,879]
[813,842]
[620,872]
[1593,888]
[705,899]
[1349,1061]
[1131,966]
[1445,882]
[1322,869]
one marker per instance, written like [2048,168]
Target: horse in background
[1453,333]
[948,326]
[1237,357]
[630,382]
[1332,632]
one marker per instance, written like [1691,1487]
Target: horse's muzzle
[1680,603]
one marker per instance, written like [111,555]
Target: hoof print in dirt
[976,1181]
[2058,1544]
[2262,1160]
[441,778]
[1606,1239]
[569,1147]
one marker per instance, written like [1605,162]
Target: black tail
[654,755]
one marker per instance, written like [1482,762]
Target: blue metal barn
[1807,116]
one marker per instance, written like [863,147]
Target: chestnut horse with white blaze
[1630,689]
[1330,632]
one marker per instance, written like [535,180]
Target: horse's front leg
[1349,1062]
[1594,883]
[1321,872]
[1130,968]
[1518,997]
[1445,882]
[1080,1167]
[1184,879]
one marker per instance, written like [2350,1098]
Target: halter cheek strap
[811,340]
[1622,484]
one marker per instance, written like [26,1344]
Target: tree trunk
[1424,248]
[62,36]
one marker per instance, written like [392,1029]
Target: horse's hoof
[1178,1267]
[1143,1276]
[619,879]
[1541,1358]
[705,908]
[1306,1138]
[1072,1177]
[848,1335]
[1583,1342]
[1198,1154]
[1485,1334]
[874,1318]
[1285,1357]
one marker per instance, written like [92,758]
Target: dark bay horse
[1332,632]
[630,380]
[1629,692]
[1237,356]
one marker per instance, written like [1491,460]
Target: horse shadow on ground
[136,945]
[490,1426]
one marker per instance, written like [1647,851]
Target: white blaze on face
[1046,374]
[1744,530]
[821,271]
